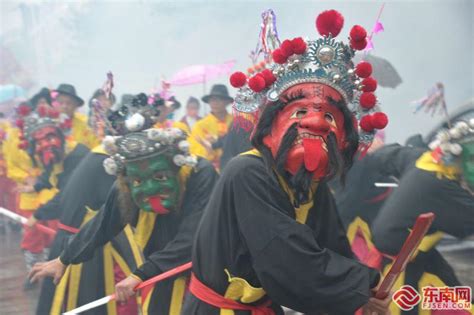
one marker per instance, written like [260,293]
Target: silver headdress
[448,142]
[323,60]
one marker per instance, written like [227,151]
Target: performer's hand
[124,289]
[31,221]
[377,307]
[53,268]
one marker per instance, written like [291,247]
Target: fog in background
[142,42]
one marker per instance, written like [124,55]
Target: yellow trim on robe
[109,278]
[426,162]
[144,228]
[209,126]
[99,150]
[177,296]
[146,303]
[59,293]
[359,225]
[73,285]
[137,253]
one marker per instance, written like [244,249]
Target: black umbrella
[382,70]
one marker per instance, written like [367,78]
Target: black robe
[421,191]
[168,244]
[85,192]
[358,196]
[70,163]
[249,228]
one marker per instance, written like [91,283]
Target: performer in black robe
[43,136]
[85,193]
[161,191]
[435,182]
[270,235]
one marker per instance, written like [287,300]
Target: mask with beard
[48,145]
[302,130]
[312,135]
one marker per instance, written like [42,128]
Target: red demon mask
[309,109]
[48,145]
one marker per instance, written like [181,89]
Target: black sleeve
[51,210]
[219,143]
[394,159]
[178,250]
[42,181]
[97,232]
[292,267]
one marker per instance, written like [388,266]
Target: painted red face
[315,118]
[48,145]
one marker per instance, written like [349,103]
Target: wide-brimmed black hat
[70,90]
[43,93]
[219,90]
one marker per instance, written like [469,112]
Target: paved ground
[13,300]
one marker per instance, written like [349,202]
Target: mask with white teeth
[308,109]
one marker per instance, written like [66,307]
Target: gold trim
[177,296]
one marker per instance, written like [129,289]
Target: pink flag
[378,27]
[201,73]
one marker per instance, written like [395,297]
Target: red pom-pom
[364,69]
[278,56]
[24,110]
[369,85]
[257,83]
[367,100]
[299,45]
[250,70]
[268,77]
[23,145]
[366,123]
[286,48]
[238,79]
[358,33]
[43,110]
[329,22]
[359,44]
[20,123]
[379,120]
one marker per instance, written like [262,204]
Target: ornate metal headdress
[31,120]
[447,145]
[139,140]
[323,60]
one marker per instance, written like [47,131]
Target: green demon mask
[467,163]
[154,184]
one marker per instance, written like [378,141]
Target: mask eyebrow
[295,95]
[337,104]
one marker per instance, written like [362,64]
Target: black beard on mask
[301,181]
[339,162]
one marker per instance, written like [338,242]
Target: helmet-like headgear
[323,60]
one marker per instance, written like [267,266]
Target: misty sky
[143,41]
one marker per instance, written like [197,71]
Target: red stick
[422,224]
